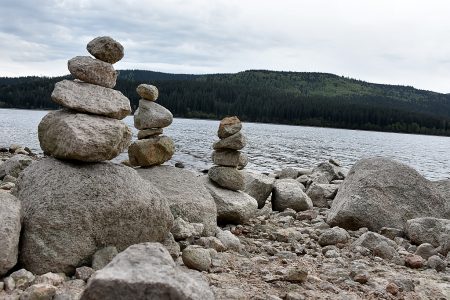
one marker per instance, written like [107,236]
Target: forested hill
[316,99]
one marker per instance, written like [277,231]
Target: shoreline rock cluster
[150,118]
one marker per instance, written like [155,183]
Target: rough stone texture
[151,115]
[229,240]
[146,133]
[259,186]
[288,173]
[172,246]
[435,262]
[71,290]
[105,49]
[182,230]
[288,193]
[186,194]
[82,137]
[103,256]
[380,192]
[320,194]
[414,261]
[195,257]
[50,278]
[15,165]
[425,250]
[228,158]
[236,141]
[327,170]
[22,278]
[146,271]
[10,216]
[428,230]
[93,99]
[333,236]
[227,177]
[152,151]
[85,207]
[243,161]
[40,291]
[232,207]
[84,273]
[379,245]
[148,92]
[229,126]
[93,71]
[442,187]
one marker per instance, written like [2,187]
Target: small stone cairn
[150,118]
[227,157]
[88,128]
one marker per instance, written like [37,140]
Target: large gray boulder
[15,165]
[186,194]
[93,99]
[93,71]
[151,115]
[380,192]
[146,271]
[259,186]
[106,49]
[288,193]
[429,230]
[442,187]
[10,216]
[72,210]
[232,206]
[75,136]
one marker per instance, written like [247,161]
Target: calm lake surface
[270,147]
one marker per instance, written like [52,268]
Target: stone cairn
[88,128]
[227,157]
[150,118]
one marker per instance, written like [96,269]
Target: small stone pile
[150,118]
[88,128]
[227,157]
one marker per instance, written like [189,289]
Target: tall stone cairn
[152,148]
[88,128]
[227,157]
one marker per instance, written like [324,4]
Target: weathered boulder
[146,271]
[186,194]
[82,137]
[105,49]
[15,165]
[228,158]
[288,193]
[259,186]
[380,192]
[146,133]
[442,187]
[85,207]
[152,151]
[236,141]
[10,216]
[151,115]
[227,177]
[379,245]
[148,92]
[229,126]
[93,71]
[320,194]
[429,230]
[232,207]
[93,99]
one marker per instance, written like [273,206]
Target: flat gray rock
[71,210]
[93,99]
[146,133]
[151,115]
[93,71]
[10,225]
[76,136]
[227,158]
[106,49]
[227,177]
[236,141]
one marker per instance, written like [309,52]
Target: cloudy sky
[385,41]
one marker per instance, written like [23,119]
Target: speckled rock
[236,141]
[94,71]
[148,92]
[106,49]
[229,126]
[151,115]
[151,151]
[10,226]
[227,177]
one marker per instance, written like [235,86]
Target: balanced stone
[93,71]
[153,151]
[229,158]
[151,115]
[93,99]
[146,133]
[10,225]
[82,137]
[106,49]
[229,126]
[147,91]
[227,177]
[236,141]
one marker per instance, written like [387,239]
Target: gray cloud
[398,42]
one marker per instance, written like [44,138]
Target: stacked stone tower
[150,118]
[88,128]
[227,157]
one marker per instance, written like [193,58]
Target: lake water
[270,147]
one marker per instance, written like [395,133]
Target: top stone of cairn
[229,126]
[105,49]
[147,92]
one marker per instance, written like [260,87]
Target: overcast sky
[385,41]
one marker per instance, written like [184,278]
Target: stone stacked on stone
[152,148]
[88,129]
[227,157]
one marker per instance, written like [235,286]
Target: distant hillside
[315,99]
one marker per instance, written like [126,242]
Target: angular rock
[229,240]
[151,115]
[172,246]
[288,173]
[232,207]
[82,137]
[93,71]
[40,291]
[442,187]
[182,230]
[327,170]
[195,257]
[105,49]
[50,278]
[103,256]
[186,194]
[145,271]
[10,226]
[229,126]
[320,194]
[93,99]
[379,245]
[22,278]
[84,273]
[236,141]
[153,151]
[211,242]
[428,230]
[259,186]
[414,261]
[85,207]
[148,92]
[227,177]
[227,158]
[70,290]
[380,192]
[333,236]
[15,165]
[288,193]
[243,161]
[146,133]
